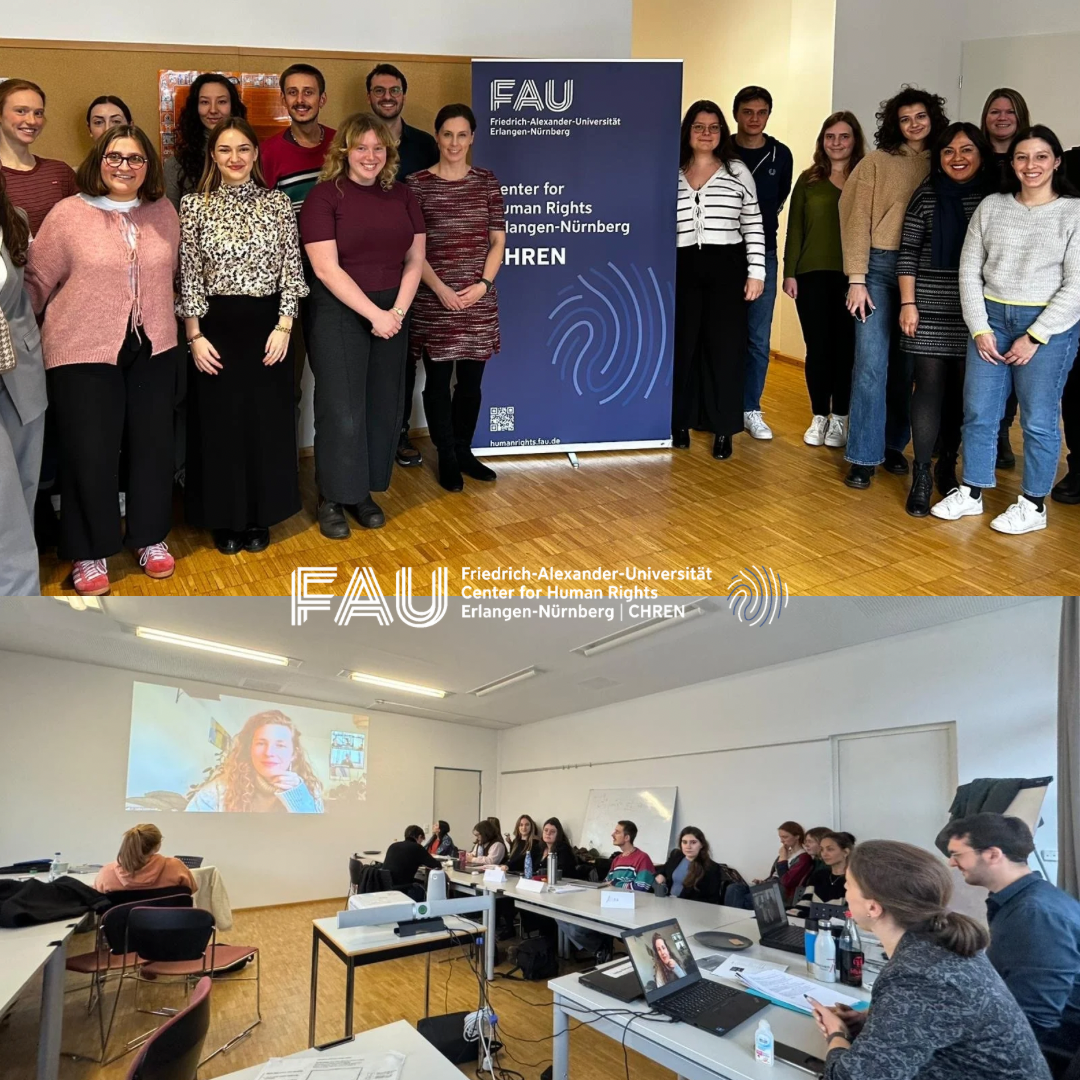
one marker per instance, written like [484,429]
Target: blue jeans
[759,316]
[881,380]
[1038,385]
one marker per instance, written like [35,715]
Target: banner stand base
[572,458]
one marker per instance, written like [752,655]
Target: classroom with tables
[844,844]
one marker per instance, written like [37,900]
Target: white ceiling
[459,655]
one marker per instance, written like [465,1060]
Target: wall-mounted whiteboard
[651,809]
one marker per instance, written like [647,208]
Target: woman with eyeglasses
[241,282]
[106,112]
[101,270]
[720,267]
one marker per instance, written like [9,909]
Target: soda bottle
[851,953]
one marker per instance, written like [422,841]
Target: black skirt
[241,423]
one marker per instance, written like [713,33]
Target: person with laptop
[1034,927]
[689,872]
[140,865]
[939,1010]
[827,885]
[404,857]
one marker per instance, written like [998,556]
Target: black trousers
[410,387]
[452,421]
[1070,416]
[829,332]
[359,384]
[99,408]
[937,405]
[710,338]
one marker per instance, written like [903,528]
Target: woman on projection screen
[265,769]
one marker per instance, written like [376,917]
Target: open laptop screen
[768,907]
[662,959]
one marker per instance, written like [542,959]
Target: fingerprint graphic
[757,596]
[612,334]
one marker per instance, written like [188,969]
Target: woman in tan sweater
[139,865]
[872,209]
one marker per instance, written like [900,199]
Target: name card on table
[528,885]
[617,898]
[494,876]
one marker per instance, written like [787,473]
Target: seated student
[1034,927]
[489,850]
[829,884]
[499,835]
[404,857]
[139,866]
[690,873]
[526,842]
[793,865]
[440,842]
[938,1010]
[553,841]
[812,842]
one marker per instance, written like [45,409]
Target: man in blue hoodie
[771,164]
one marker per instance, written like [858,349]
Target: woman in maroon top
[364,235]
[455,321]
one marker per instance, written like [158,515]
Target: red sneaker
[156,560]
[90,577]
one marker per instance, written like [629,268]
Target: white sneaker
[957,504]
[1021,517]
[837,433]
[815,433]
[754,422]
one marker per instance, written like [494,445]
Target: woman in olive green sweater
[814,277]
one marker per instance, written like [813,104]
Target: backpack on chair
[536,959]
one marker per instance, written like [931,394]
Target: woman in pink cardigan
[102,268]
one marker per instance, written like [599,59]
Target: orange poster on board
[259,93]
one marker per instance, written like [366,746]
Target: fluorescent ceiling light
[169,638]
[81,603]
[396,684]
[640,630]
[508,680]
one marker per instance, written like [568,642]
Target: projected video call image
[661,956]
[236,755]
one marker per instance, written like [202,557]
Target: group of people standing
[937,281]
[380,240]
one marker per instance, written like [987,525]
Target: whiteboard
[651,809]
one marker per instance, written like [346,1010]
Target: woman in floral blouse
[241,283]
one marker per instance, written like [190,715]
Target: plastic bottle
[528,865]
[810,940]
[825,953]
[54,871]
[763,1043]
[850,953]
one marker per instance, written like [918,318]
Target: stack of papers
[735,967]
[568,888]
[791,991]
[384,1066]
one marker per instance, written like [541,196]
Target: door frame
[948,726]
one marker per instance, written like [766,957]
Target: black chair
[147,896]
[368,877]
[182,942]
[173,1051]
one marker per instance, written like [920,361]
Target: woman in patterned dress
[240,287]
[455,318]
[931,322]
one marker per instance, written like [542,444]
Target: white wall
[64,743]
[995,676]
[599,28]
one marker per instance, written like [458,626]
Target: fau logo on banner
[364,596]
[527,95]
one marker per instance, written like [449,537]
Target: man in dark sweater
[386,90]
[771,164]
[404,857]
[1034,927]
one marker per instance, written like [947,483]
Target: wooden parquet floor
[778,504]
[385,992]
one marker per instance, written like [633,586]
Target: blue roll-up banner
[587,155]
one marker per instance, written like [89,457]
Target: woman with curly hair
[666,969]
[265,769]
[365,236]
[211,99]
[872,210]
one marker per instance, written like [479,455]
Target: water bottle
[528,865]
[54,867]
[825,953]
[552,869]
[850,953]
[809,941]
[763,1043]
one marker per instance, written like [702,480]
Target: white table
[23,953]
[422,1060]
[690,1052]
[357,946]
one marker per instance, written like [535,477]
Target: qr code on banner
[502,418]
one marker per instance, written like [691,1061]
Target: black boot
[1006,459]
[680,438]
[1067,490]
[332,523]
[441,429]
[471,465]
[859,476]
[721,449]
[464,412]
[922,487]
[896,463]
[945,473]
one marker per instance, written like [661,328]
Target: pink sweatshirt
[160,872]
[78,272]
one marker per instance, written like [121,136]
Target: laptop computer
[617,979]
[674,985]
[772,922]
